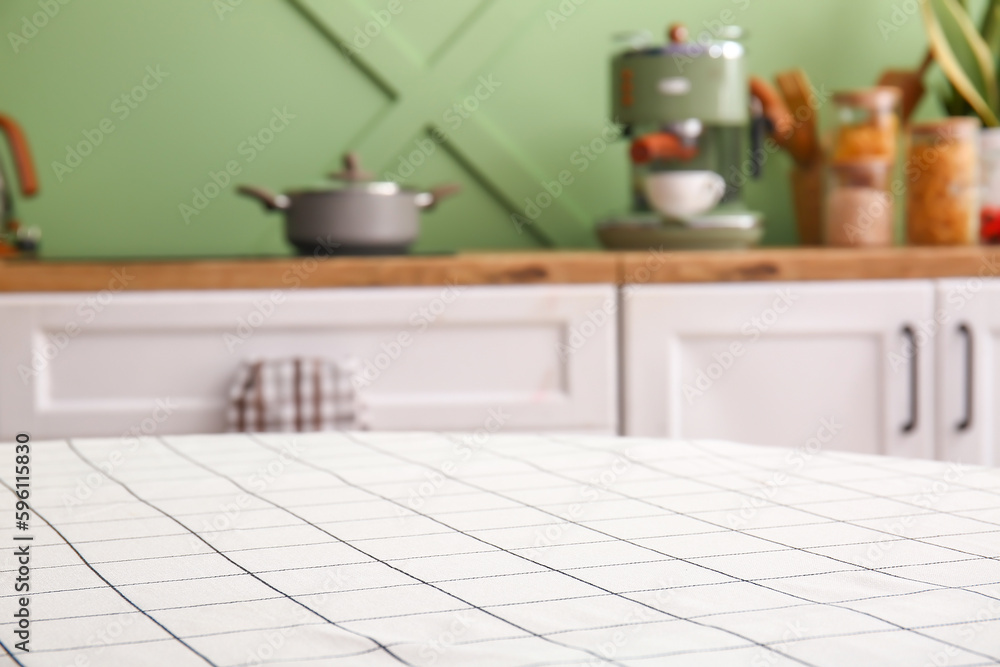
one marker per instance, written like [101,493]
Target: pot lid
[353,177]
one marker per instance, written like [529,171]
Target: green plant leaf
[991,28]
[960,75]
[980,51]
[956,104]
[988,19]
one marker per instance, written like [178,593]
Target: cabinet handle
[911,425]
[970,351]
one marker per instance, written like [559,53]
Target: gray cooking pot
[360,217]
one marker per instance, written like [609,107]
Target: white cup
[682,194]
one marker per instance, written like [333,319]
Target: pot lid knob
[352,172]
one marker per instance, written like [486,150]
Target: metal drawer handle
[970,351]
[911,425]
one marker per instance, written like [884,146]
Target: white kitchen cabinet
[790,364]
[966,332]
[104,364]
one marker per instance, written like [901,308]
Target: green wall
[226,72]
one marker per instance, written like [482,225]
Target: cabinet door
[968,346]
[437,358]
[789,364]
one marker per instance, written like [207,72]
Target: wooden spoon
[774,110]
[806,149]
[803,144]
[911,83]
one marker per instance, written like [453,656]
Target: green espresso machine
[695,134]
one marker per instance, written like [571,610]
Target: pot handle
[428,200]
[22,155]
[270,200]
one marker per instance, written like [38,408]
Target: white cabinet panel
[780,364]
[967,340]
[439,359]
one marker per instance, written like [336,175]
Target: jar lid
[955,126]
[882,98]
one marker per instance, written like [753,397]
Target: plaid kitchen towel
[296,395]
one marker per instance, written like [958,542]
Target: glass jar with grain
[867,125]
[942,177]
[859,205]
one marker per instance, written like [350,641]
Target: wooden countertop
[807,264]
[771,264]
[293,272]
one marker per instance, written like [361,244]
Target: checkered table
[438,549]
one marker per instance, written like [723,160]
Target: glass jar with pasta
[942,175]
[867,125]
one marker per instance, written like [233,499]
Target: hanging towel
[296,395]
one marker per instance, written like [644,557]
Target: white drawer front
[76,365]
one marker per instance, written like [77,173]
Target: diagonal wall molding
[422,89]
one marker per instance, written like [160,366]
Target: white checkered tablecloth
[431,549]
